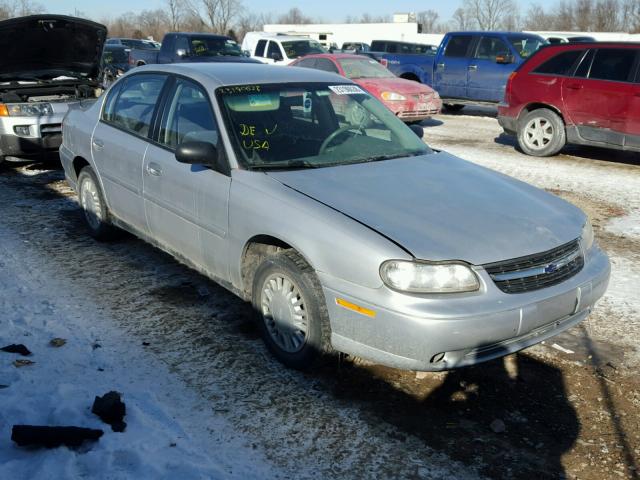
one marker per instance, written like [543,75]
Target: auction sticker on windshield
[347,90]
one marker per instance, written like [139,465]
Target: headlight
[587,236]
[423,277]
[392,96]
[25,109]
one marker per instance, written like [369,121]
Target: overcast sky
[332,11]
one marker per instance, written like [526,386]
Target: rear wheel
[292,314]
[94,206]
[541,133]
[452,107]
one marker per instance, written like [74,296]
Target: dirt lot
[566,409]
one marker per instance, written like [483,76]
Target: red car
[580,93]
[410,101]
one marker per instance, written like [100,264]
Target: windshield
[363,68]
[214,47]
[312,125]
[300,48]
[526,46]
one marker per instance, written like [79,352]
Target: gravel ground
[543,412]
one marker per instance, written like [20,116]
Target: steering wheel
[327,141]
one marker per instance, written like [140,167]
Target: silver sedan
[301,193]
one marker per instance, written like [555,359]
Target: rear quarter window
[561,63]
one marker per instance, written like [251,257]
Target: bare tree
[605,16]
[251,23]
[563,16]
[461,20]
[490,14]
[630,16]
[583,11]
[175,13]
[536,18]
[428,20]
[216,15]
[153,23]
[294,17]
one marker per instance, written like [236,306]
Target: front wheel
[291,310]
[94,206]
[541,133]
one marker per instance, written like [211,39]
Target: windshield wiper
[283,166]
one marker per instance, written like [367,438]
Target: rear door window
[615,64]
[260,48]
[560,64]
[489,48]
[134,107]
[458,46]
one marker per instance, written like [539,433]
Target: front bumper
[413,111]
[444,332]
[38,135]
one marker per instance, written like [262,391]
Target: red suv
[582,93]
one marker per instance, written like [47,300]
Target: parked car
[131,43]
[409,101]
[349,47]
[558,38]
[580,93]
[47,63]
[184,47]
[114,63]
[404,48]
[279,49]
[303,194]
[468,67]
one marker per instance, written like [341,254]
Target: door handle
[440,65]
[473,67]
[574,86]
[98,144]
[154,169]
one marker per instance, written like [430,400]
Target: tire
[92,203]
[452,107]
[280,279]
[541,133]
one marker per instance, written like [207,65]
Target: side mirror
[181,52]
[197,153]
[246,53]
[276,57]
[504,59]
[418,130]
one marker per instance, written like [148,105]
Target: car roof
[335,56]
[220,74]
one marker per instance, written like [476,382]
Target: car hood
[42,45]
[399,85]
[439,207]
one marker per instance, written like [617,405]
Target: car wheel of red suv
[541,133]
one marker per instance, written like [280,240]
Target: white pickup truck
[279,49]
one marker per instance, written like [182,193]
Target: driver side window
[489,48]
[188,117]
[274,49]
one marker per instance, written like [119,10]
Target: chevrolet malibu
[303,194]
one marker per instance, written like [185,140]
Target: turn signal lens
[4,111]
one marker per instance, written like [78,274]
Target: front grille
[533,272]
